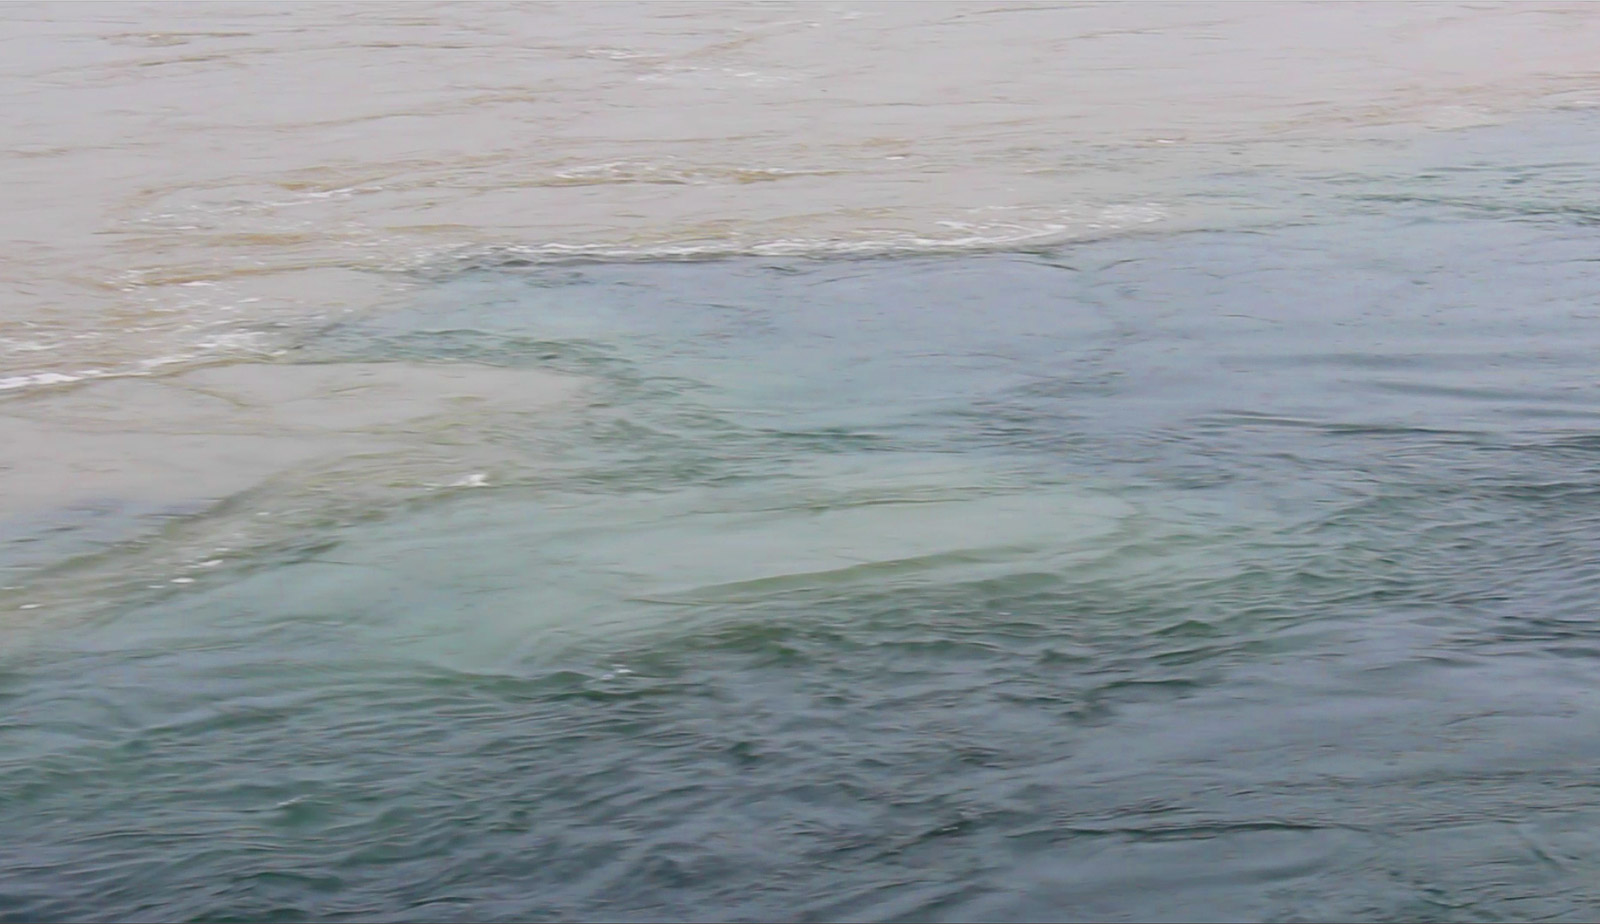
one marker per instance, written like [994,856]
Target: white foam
[247,342]
[11,383]
[967,236]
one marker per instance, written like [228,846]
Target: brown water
[178,177]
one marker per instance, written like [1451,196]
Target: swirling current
[1229,556]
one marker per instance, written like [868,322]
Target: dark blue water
[1243,574]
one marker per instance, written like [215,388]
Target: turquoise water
[1244,573]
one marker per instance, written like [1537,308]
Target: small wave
[667,173]
[961,237]
[220,345]
[33,379]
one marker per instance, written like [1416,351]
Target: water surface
[1225,552]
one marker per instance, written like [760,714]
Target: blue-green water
[1246,573]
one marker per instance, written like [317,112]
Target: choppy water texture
[831,462]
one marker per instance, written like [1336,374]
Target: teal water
[1245,573]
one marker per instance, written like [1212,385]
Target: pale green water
[1239,574]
